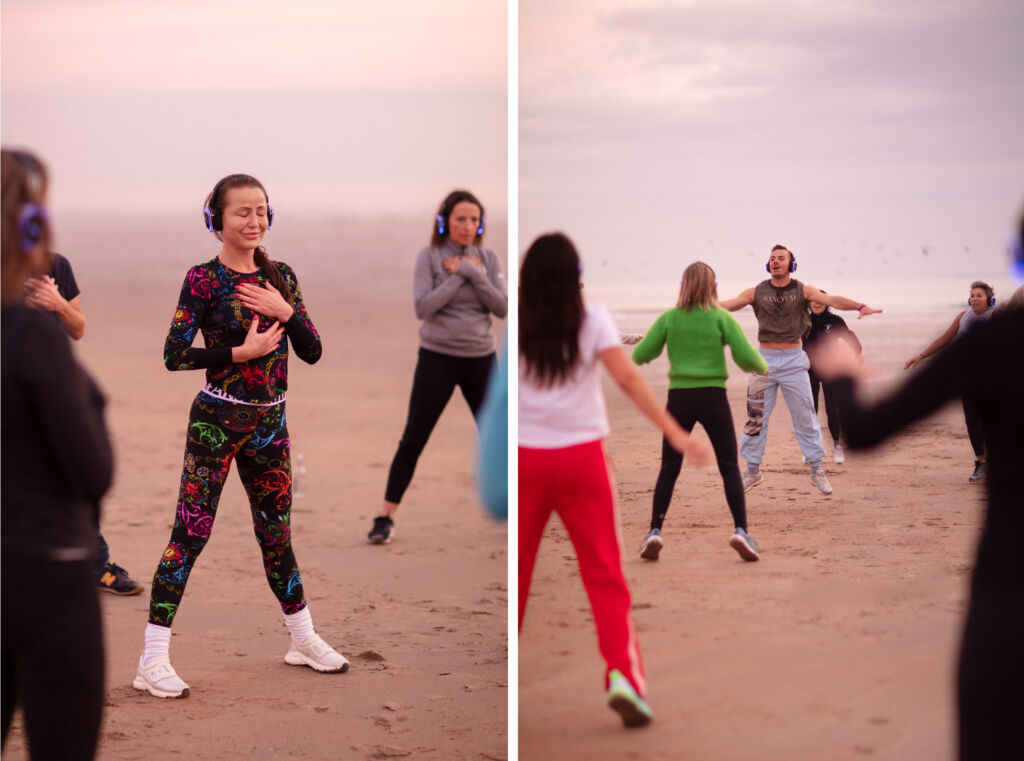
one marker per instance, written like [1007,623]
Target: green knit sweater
[696,347]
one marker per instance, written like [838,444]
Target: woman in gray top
[980,304]
[457,286]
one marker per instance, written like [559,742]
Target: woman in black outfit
[987,363]
[828,326]
[56,464]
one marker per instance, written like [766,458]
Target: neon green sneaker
[624,701]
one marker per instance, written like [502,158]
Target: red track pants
[574,482]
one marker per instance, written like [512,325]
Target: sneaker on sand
[744,544]
[623,700]
[820,482]
[382,531]
[838,455]
[160,679]
[980,469]
[316,654]
[751,478]
[652,545]
[115,579]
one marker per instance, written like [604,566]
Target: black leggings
[831,404]
[52,655]
[256,438]
[710,408]
[435,380]
[975,431]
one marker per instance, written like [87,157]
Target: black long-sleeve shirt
[56,456]
[208,303]
[830,326]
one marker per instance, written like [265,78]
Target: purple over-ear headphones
[31,221]
[991,301]
[792,262]
[441,220]
[213,217]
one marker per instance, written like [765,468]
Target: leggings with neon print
[257,439]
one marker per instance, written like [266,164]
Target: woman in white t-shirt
[562,465]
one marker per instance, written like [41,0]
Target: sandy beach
[840,643]
[423,620]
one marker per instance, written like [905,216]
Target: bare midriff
[781,344]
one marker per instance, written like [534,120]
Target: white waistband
[216,393]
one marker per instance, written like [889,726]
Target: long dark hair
[218,199]
[444,211]
[550,309]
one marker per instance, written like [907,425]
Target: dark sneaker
[383,530]
[980,469]
[624,701]
[115,579]
[652,545]
[744,544]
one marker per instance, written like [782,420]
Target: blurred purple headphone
[441,229]
[31,221]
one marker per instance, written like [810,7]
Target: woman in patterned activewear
[248,308]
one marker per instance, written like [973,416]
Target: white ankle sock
[157,644]
[300,625]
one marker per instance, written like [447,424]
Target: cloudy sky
[881,135]
[335,104]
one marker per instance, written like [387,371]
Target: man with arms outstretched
[780,305]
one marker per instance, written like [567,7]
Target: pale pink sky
[880,136]
[337,105]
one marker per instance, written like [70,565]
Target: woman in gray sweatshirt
[457,286]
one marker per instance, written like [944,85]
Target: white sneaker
[820,482]
[316,654]
[838,455]
[160,679]
[751,479]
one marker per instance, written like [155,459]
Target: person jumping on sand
[780,305]
[980,304]
[248,309]
[562,464]
[696,333]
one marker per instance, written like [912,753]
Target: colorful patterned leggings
[257,439]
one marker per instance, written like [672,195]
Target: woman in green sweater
[696,333]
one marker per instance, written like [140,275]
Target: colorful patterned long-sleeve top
[208,303]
